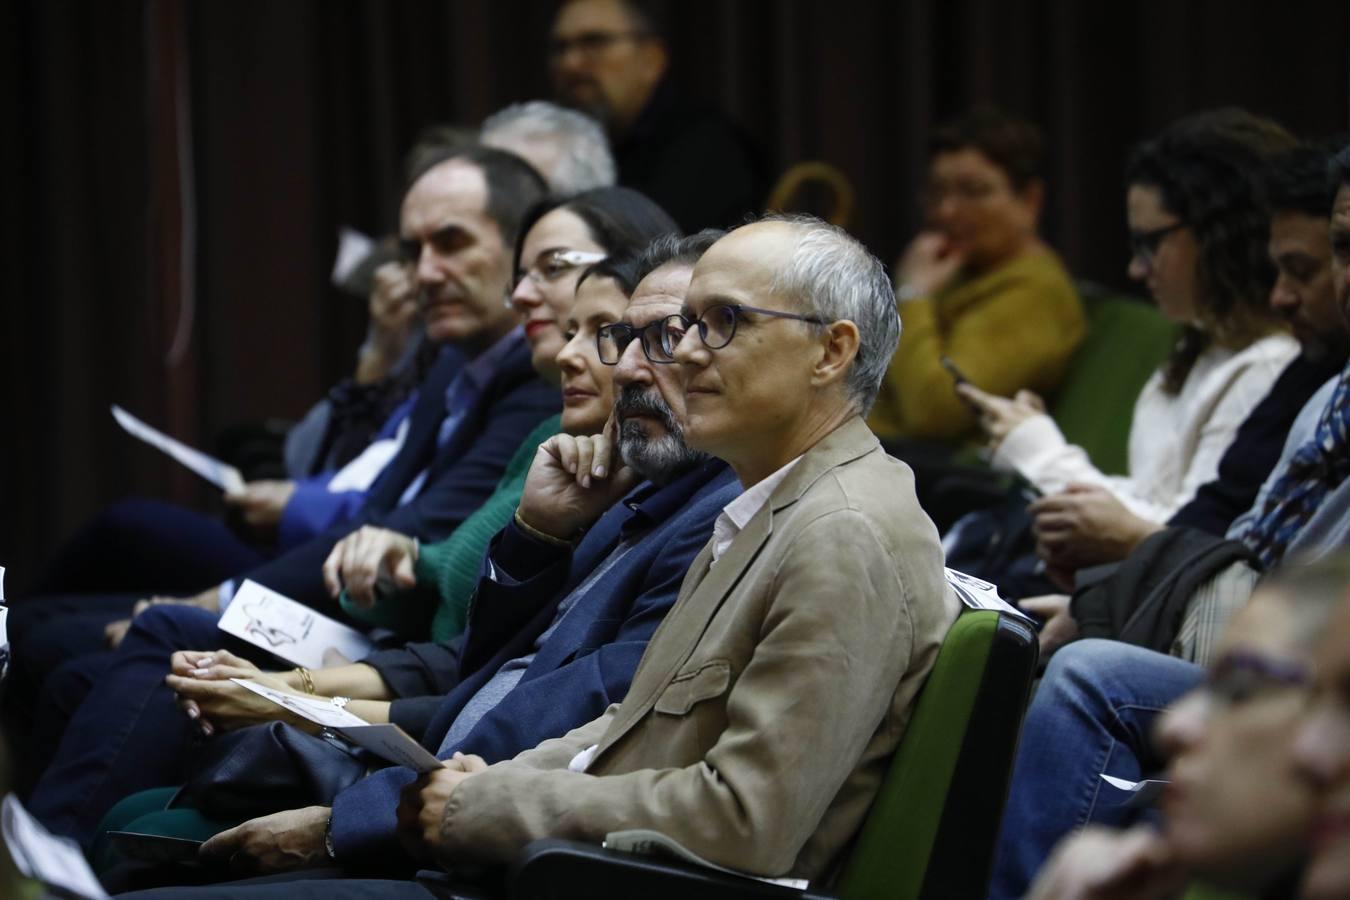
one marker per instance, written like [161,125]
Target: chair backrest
[1127,339]
[931,830]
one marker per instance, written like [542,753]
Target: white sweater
[1176,441]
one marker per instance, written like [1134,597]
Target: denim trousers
[128,733]
[1092,715]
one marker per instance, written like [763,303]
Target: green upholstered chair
[930,832]
[1127,339]
[148,812]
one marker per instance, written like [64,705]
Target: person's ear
[655,59]
[839,347]
[1033,198]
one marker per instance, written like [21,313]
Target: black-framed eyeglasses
[613,339]
[1144,244]
[717,326]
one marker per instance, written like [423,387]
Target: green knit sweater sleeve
[448,570]
[452,565]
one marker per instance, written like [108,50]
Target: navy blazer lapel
[424,423]
[597,545]
[658,505]
[513,369]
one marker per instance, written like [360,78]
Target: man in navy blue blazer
[459,222]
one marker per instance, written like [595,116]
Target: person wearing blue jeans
[1092,715]
[142,738]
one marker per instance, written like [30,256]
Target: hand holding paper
[385,740]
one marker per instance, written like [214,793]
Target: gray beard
[660,460]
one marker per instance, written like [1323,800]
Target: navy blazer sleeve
[363,821]
[450,495]
[419,674]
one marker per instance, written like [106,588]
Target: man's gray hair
[833,276]
[584,158]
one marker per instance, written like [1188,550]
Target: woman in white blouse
[1198,235]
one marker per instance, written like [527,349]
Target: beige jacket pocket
[709,680]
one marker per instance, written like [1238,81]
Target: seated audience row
[643,611]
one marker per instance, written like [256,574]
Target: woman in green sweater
[383,577]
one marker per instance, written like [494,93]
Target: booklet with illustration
[288,629]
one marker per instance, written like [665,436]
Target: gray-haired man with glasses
[765,709]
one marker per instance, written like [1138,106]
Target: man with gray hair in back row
[764,712]
[567,147]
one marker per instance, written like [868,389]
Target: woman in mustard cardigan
[978,286]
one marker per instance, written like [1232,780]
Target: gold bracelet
[306,679]
[540,535]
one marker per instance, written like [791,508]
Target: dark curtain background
[177,171]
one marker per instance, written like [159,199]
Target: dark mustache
[635,399]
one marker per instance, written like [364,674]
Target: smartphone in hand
[951,368]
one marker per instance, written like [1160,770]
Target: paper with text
[320,712]
[386,740]
[978,594]
[54,861]
[223,476]
[288,629]
[1142,793]
[353,248]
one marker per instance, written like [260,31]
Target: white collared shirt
[741,510]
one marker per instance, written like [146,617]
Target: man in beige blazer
[762,716]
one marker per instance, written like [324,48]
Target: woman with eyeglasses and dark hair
[1198,236]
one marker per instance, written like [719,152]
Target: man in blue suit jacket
[480,400]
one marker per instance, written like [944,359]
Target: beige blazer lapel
[708,586]
[701,598]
